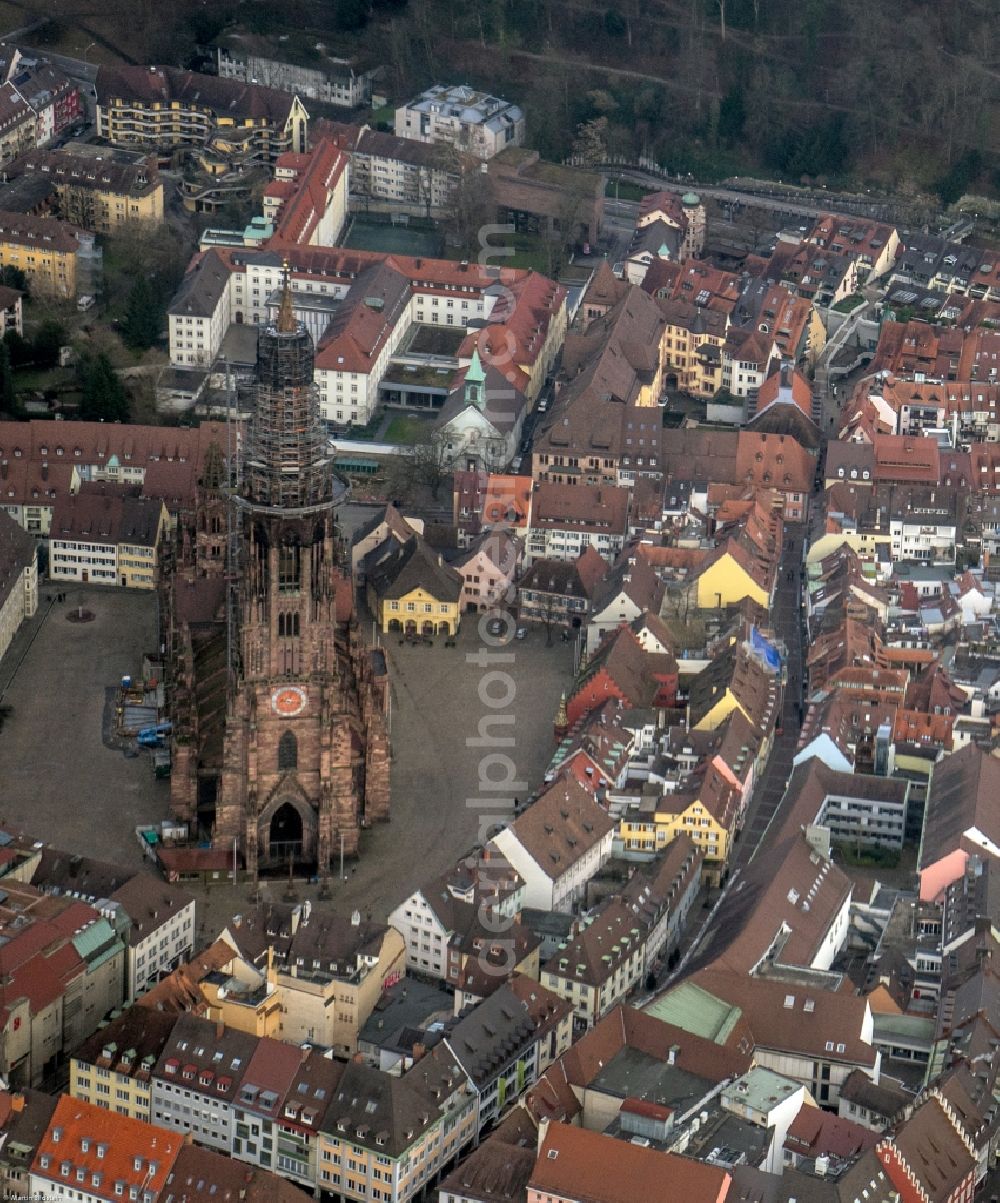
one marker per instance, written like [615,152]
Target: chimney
[220,1030]
[17,1102]
[418,1052]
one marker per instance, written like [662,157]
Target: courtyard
[64,786]
[61,783]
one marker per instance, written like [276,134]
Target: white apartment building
[201,313]
[162,930]
[213,296]
[429,918]
[472,121]
[332,80]
[927,536]
[557,845]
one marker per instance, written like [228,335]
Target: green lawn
[31,379]
[404,429]
[625,190]
[530,252]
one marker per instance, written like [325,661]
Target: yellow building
[731,577]
[865,543]
[46,250]
[708,816]
[411,590]
[165,107]
[734,680]
[97,193]
[114,1068]
[243,1001]
[325,997]
[389,1136]
[692,347]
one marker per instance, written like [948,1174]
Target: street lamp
[88,50]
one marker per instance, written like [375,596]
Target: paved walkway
[61,783]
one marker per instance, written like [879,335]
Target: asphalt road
[787,619]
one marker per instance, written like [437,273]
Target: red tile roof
[574,1163]
[107,1148]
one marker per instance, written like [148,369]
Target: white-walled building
[162,930]
[359,307]
[197,1079]
[333,80]
[557,845]
[566,519]
[429,918]
[471,121]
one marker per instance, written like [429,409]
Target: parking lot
[60,783]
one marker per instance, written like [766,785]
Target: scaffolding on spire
[286,314]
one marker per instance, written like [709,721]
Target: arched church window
[288,751]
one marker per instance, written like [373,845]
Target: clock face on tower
[288,701]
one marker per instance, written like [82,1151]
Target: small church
[481,421]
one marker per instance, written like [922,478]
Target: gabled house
[628,590]
[559,592]
[488,570]
[621,668]
[437,915]
[735,679]
[557,845]
[413,591]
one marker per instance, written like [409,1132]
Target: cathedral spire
[286,316]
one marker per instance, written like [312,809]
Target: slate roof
[415,565]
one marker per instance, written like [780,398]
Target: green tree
[590,146]
[13,277]
[104,397]
[141,325]
[45,346]
[955,183]
[8,398]
[614,23]
[18,348]
[732,115]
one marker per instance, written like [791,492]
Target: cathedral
[280,734]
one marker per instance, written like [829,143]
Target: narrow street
[787,617]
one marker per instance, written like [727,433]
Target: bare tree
[551,616]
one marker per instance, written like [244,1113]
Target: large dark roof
[963,794]
[415,565]
[161,85]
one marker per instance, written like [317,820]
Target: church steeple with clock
[304,750]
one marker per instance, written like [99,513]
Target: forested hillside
[893,91]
